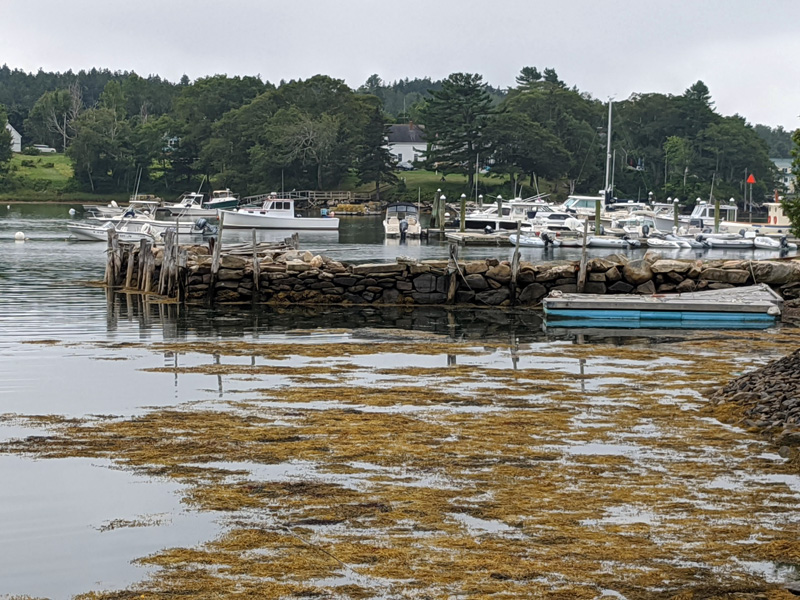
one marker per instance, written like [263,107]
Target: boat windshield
[401,210]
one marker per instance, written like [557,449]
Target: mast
[607,189]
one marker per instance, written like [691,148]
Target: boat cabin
[703,214]
[274,204]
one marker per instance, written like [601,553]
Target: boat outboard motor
[403,230]
[204,227]
[546,239]
[784,242]
[488,229]
[742,232]
[645,230]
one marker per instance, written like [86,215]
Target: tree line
[251,135]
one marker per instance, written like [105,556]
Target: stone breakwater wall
[297,277]
[770,400]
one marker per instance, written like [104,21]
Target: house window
[416,156]
[399,157]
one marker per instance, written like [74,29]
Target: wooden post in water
[582,270]
[140,270]
[463,215]
[129,270]
[675,213]
[113,262]
[149,268]
[182,274]
[216,258]
[452,269]
[515,266]
[256,269]
[598,207]
[440,217]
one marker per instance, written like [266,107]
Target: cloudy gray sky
[748,53]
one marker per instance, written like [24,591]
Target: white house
[16,138]
[406,142]
[784,166]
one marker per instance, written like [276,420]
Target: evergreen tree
[374,161]
[5,139]
[455,118]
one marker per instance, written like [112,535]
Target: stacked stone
[297,277]
[770,397]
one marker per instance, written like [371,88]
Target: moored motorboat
[276,213]
[126,232]
[738,243]
[603,241]
[534,241]
[222,199]
[189,204]
[654,242]
[399,216]
[763,242]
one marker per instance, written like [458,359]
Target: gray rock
[637,272]
[492,297]
[646,289]
[391,296]
[620,287]
[501,273]
[404,285]
[569,288]
[425,283]
[532,293]
[476,282]
[378,268]
[344,281]
[613,275]
[687,285]
[464,296]
[734,276]
[717,285]
[594,287]
[477,267]
[666,265]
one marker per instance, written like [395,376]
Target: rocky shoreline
[769,399]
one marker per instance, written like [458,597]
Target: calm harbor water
[57,532]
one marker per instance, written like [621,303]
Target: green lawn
[54,168]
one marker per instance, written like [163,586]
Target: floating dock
[751,307]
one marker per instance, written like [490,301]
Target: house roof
[406,134]
[13,131]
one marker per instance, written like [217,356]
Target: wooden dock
[756,305]
[473,238]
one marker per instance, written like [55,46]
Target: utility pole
[607,190]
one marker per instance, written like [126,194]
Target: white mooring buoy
[72,212]
[19,236]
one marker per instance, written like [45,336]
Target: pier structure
[284,274]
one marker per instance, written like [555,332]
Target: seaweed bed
[573,471]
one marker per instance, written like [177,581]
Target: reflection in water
[175,323]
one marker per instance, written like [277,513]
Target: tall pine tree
[455,118]
[374,161]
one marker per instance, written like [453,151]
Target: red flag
[751,179]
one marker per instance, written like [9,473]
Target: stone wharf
[264,274]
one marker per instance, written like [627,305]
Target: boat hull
[532,241]
[261,219]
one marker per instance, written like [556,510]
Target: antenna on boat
[202,181]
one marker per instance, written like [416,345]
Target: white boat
[686,242]
[738,243]
[654,242]
[604,241]
[767,243]
[276,213]
[513,214]
[534,241]
[189,204]
[126,232]
[398,213]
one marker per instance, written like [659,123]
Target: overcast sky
[748,53]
